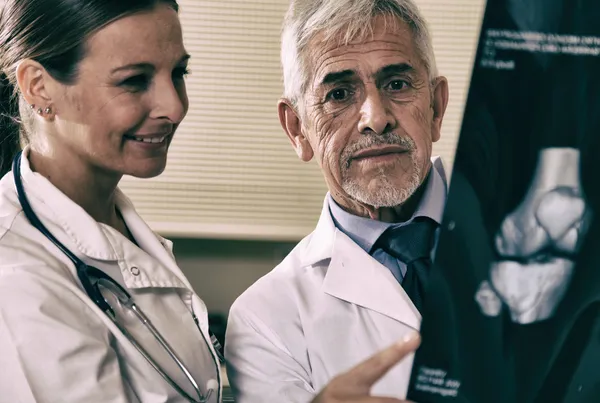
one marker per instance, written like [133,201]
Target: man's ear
[32,81]
[439,102]
[292,125]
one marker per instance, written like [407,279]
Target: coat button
[135,271]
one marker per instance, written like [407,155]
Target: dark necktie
[411,244]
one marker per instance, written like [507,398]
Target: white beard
[387,194]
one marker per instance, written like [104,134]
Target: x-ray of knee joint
[537,243]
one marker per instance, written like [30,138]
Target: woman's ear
[292,125]
[33,85]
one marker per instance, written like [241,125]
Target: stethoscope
[92,279]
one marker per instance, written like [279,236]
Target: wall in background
[220,270]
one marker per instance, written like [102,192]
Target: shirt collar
[434,197]
[54,208]
[365,231]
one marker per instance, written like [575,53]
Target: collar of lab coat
[354,276]
[99,242]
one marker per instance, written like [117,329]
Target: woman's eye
[180,72]
[138,82]
[339,94]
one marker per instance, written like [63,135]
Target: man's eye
[339,94]
[397,85]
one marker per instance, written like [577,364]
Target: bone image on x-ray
[537,242]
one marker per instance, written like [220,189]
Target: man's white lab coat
[328,306]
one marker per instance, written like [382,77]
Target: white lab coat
[55,344]
[327,307]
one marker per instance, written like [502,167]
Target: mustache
[369,141]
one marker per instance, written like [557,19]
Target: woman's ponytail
[9,124]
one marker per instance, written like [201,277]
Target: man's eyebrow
[337,76]
[145,65]
[398,68]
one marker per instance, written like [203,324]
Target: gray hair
[352,19]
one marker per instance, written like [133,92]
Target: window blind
[232,172]
[454,26]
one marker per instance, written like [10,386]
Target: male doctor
[363,97]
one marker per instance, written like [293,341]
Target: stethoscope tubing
[125,298]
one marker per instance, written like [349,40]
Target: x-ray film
[511,311]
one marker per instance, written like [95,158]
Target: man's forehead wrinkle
[352,47]
[328,62]
[383,44]
[395,37]
[325,62]
[356,50]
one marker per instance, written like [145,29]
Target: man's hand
[355,385]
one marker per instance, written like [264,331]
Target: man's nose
[376,116]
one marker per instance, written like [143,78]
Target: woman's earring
[40,111]
[47,111]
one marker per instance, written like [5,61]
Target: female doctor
[93,307]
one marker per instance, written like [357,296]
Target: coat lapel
[354,276]
[152,245]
